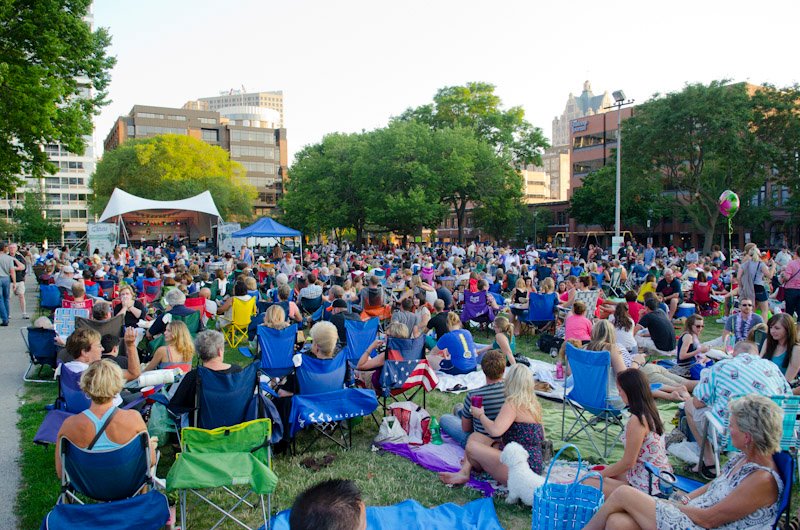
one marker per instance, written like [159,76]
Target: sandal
[708,472]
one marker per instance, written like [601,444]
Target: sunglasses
[700,325]
[746,305]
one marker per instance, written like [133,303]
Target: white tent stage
[150,220]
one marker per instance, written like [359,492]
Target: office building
[250,134]
[241,98]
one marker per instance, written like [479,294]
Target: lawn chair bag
[566,506]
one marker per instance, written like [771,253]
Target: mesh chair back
[359,336]
[316,376]
[41,346]
[310,305]
[72,397]
[791,407]
[225,398]
[590,376]
[107,475]
[541,307]
[277,348]
[589,298]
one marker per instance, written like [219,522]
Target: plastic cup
[148,391]
[477,401]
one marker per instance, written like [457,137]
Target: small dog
[522,481]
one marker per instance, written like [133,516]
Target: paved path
[13,365]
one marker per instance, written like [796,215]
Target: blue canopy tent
[269,227]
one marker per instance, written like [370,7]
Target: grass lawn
[384,478]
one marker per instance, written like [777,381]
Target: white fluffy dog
[522,482]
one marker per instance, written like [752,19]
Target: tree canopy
[49,60]
[32,226]
[170,167]
[696,143]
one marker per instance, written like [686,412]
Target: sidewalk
[12,367]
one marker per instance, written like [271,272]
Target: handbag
[780,295]
[566,506]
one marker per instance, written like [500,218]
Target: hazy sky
[351,65]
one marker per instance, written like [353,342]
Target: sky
[348,66]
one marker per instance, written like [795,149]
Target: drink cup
[477,401]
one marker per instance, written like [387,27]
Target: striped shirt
[493,398]
[732,378]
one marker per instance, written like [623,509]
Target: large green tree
[593,202]
[49,58]
[500,209]
[33,226]
[696,143]
[169,167]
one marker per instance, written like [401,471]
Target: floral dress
[669,517]
[530,436]
[652,451]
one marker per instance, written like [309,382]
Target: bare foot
[454,478]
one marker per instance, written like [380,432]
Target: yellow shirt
[648,287]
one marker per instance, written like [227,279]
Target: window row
[252,136]
[249,150]
[142,130]
[258,167]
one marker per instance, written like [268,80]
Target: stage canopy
[147,219]
[267,227]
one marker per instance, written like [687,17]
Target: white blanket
[542,371]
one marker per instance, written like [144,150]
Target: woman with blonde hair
[519,420]
[275,317]
[178,350]
[504,340]
[457,347]
[101,382]
[754,277]
[603,338]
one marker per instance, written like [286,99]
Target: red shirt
[635,309]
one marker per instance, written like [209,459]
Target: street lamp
[619,102]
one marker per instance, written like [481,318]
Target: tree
[475,106]
[396,161]
[49,57]
[594,201]
[324,192]
[33,225]
[501,209]
[697,143]
[169,167]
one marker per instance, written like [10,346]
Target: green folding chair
[192,322]
[226,459]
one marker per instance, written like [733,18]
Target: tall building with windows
[241,98]
[250,134]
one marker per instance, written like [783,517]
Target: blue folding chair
[105,475]
[309,306]
[49,297]
[148,511]
[42,351]
[93,290]
[276,349]
[402,356]
[784,461]
[541,313]
[324,404]
[587,399]
[360,334]
[322,312]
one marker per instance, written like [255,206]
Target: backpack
[414,420]
[547,342]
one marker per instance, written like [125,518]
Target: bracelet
[637,363]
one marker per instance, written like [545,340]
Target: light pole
[619,102]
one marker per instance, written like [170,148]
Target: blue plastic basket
[566,506]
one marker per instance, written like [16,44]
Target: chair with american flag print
[406,370]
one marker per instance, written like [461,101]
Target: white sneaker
[25,316]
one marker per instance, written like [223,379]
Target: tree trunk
[708,232]
[460,219]
[359,235]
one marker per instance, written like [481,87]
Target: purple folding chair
[477,308]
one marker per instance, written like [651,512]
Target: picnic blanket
[411,515]
[541,370]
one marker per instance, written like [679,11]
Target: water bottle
[559,371]
[553,352]
[436,433]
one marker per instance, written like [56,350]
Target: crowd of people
[627,304]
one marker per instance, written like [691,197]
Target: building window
[143,130]
[131,130]
[210,135]
[176,117]
[248,150]
[150,115]
[261,137]
[207,121]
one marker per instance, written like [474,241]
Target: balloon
[728,203]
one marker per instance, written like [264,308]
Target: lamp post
[649,230]
[619,102]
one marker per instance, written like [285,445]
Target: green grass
[384,478]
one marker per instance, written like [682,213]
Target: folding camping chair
[236,332]
[587,399]
[110,289]
[589,298]
[108,475]
[151,289]
[400,372]
[324,404]
[276,350]
[309,306]
[93,290]
[42,351]
[192,321]
[223,459]
[476,308]
[615,286]
[360,334]
[541,313]
[88,303]
[49,297]
[148,511]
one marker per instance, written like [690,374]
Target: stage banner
[226,243]
[102,236]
